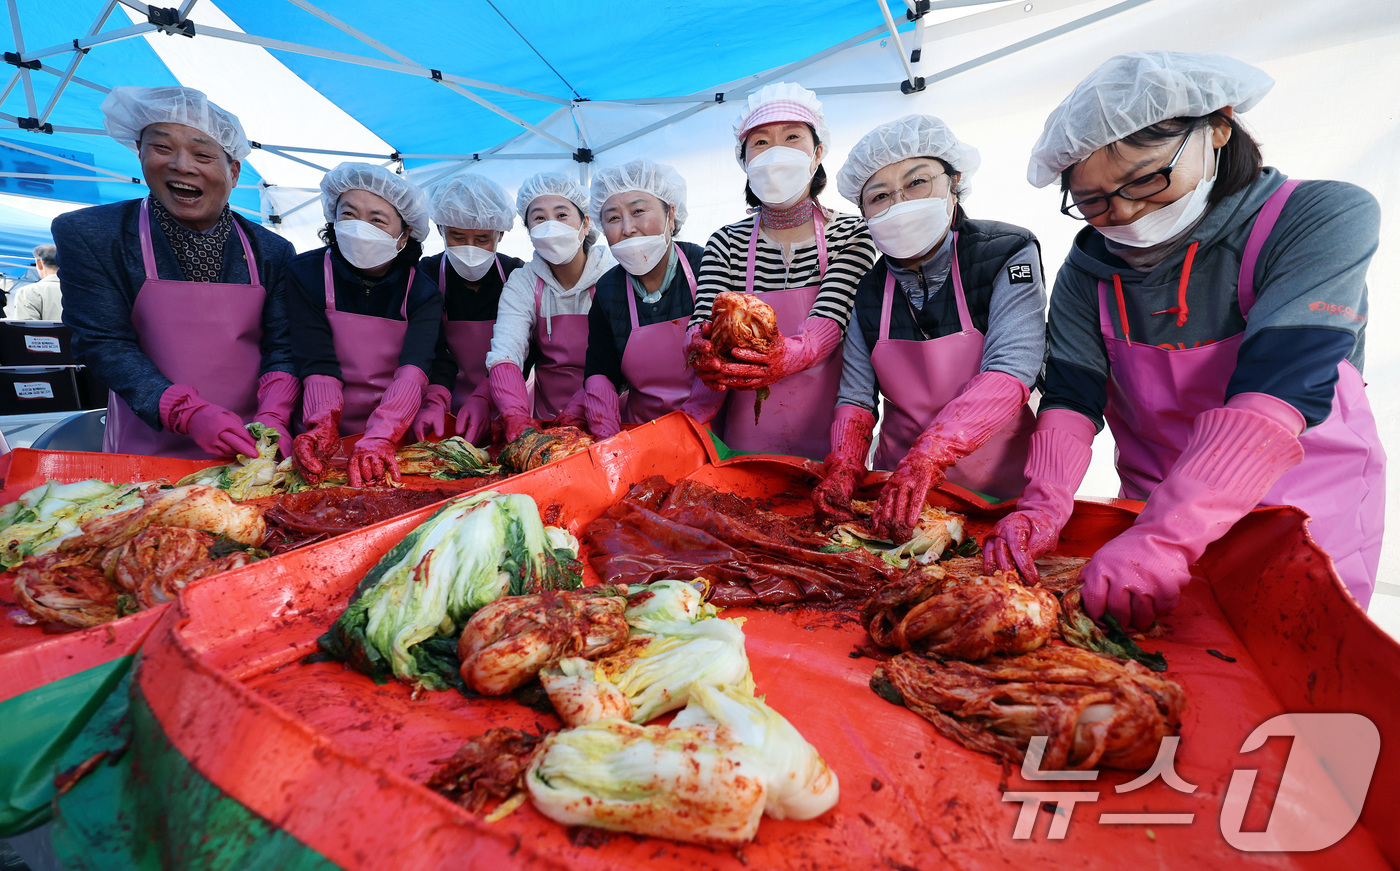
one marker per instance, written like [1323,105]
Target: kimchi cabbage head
[250,477]
[407,612]
[692,784]
[33,523]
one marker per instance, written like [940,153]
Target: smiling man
[175,303]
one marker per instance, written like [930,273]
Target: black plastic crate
[38,389]
[35,343]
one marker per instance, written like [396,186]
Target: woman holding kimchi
[1213,312]
[801,259]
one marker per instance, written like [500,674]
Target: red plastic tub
[236,752]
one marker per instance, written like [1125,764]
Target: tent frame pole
[91,40]
[17,147]
[914,83]
[272,149]
[78,56]
[19,49]
[1031,41]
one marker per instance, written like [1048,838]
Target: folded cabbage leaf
[800,785]
[678,642]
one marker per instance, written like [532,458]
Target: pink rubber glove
[819,337]
[217,430]
[474,417]
[510,398]
[1059,456]
[572,414]
[600,407]
[432,414]
[1234,456]
[705,400]
[277,396]
[322,400]
[851,433]
[373,458]
[963,426]
[700,354]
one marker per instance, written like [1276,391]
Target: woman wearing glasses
[1213,313]
[949,327]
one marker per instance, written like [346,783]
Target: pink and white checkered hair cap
[781,101]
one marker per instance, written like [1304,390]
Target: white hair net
[405,196]
[473,202]
[657,179]
[556,184]
[781,101]
[1136,90]
[128,110]
[910,136]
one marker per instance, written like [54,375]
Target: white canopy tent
[992,69]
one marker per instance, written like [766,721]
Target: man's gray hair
[47,254]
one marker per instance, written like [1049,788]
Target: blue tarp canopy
[20,232]
[476,73]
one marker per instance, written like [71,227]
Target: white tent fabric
[994,70]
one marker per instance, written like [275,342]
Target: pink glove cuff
[1057,461]
[1239,451]
[819,337]
[600,406]
[986,402]
[281,388]
[1061,448]
[391,419]
[851,434]
[1271,407]
[508,392]
[704,401]
[320,395]
[178,404]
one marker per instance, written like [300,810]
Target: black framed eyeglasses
[1139,188]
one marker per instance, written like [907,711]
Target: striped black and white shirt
[849,251]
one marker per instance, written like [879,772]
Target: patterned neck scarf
[200,255]
[785,219]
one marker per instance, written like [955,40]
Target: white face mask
[1157,227]
[365,245]
[640,254]
[556,241]
[910,228]
[780,175]
[469,261]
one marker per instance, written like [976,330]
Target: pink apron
[563,344]
[796,417]
[1154,396]
[204,334]
[918,378]
[469,341]
[654,361]
[368,350]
